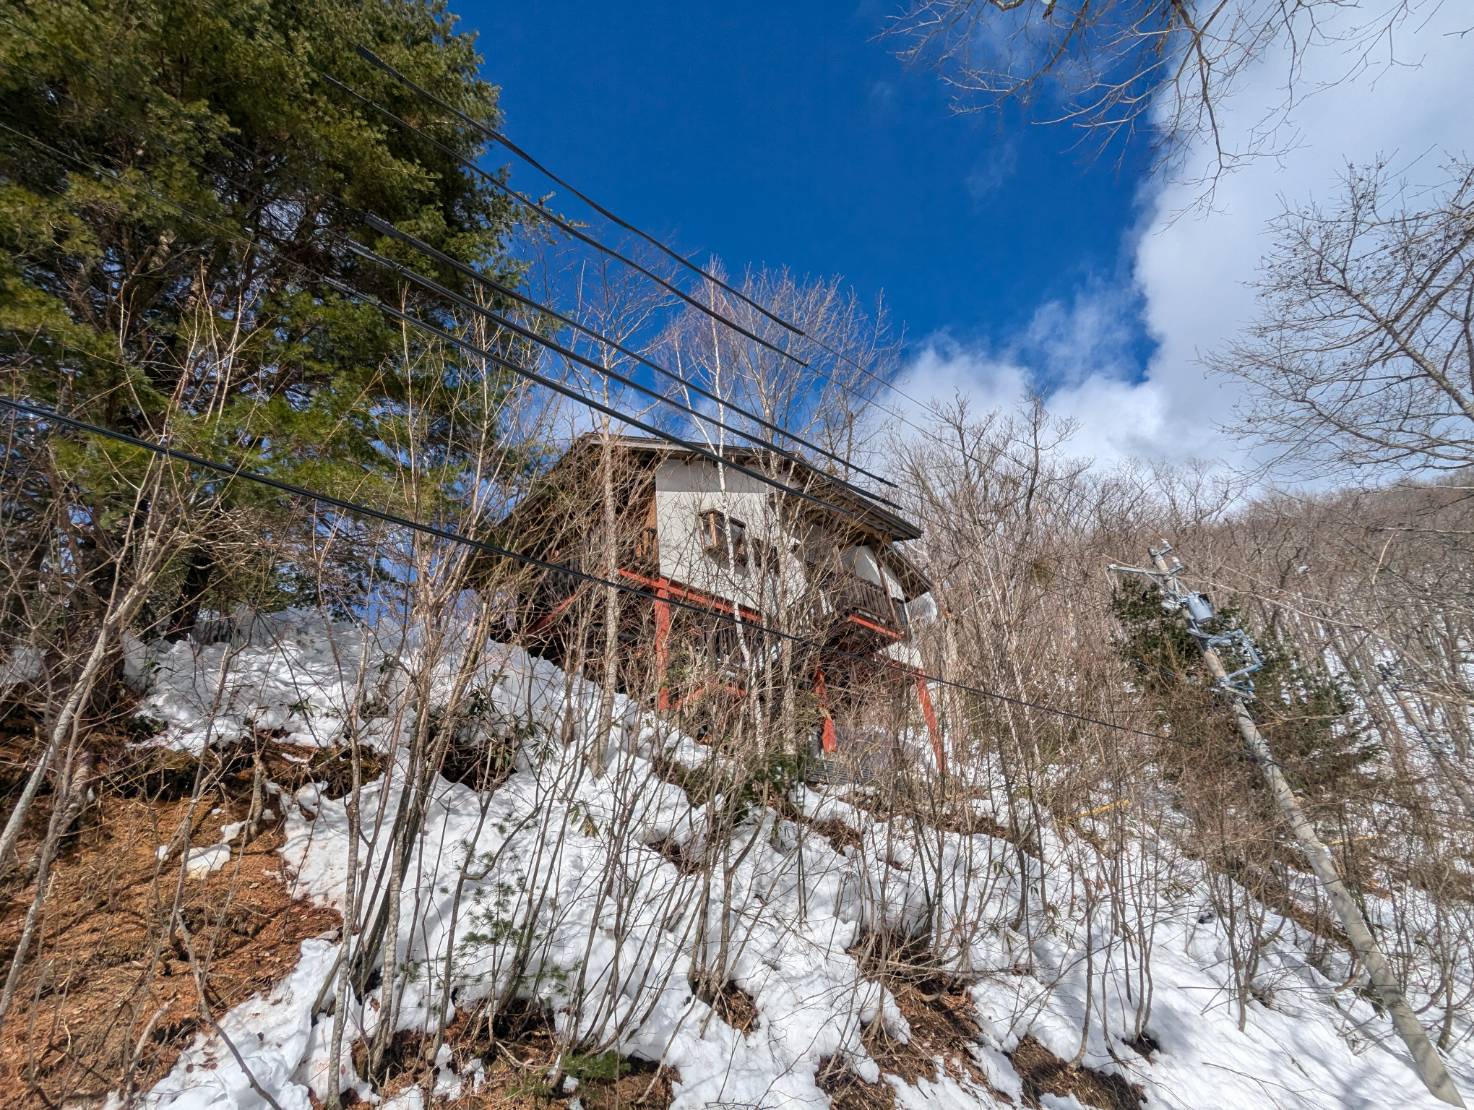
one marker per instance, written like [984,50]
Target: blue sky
[787,134]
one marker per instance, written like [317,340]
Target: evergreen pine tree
[1303,711]
[222,109]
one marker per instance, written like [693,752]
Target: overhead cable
[384,227]
[516,368]
[43,414]
[612,252]
[497,136]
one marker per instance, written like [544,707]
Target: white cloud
[1084,346]
[992,170]
[1190,271]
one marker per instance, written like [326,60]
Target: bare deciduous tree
[1122,66]
[1363,355]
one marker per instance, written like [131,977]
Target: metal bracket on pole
[1200,613]
[1238,683]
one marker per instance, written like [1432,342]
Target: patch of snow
[944,1093]
[1049,1101]
[22,663]
[556,888]
[204,861]
[412,1099]
[270,1033]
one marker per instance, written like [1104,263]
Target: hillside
[591,919]
[1003,635]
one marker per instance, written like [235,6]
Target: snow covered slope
[603,898]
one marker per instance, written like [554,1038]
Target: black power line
[491,133]
[479,352]
[567,226]
[44,415]
[583,360]
[583,237]
[496,136]
[384,227]
[612,252]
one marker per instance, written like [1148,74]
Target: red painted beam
[923,695]
[553,614]
[695,597]
[889,633]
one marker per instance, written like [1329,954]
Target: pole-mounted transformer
[1198,609]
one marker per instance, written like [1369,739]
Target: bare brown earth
[115,988]
[1045,1073]
[940,1013]
[111,990]
[523,1069]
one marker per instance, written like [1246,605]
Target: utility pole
[1238,688]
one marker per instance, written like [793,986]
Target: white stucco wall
[863,562]
[905,653]
[685,490]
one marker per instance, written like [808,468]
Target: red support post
[827,738]
[923,695]
[662,644]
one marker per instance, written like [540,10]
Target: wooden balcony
[853,608]
[641,552]
[862,754]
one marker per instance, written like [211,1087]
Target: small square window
[722,535]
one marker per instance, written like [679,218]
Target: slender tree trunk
[610,570]
[1426,1060]
[198,574]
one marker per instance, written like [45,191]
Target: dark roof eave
[893,526]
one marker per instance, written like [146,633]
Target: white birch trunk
[1426,1060]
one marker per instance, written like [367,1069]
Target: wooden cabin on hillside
[698,537]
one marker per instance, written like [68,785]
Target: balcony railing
[642,552]
[849,596]
[862,754]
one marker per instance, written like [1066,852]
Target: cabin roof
[887,525]
[883,521]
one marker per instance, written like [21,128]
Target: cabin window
[722,535]
[718,530]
